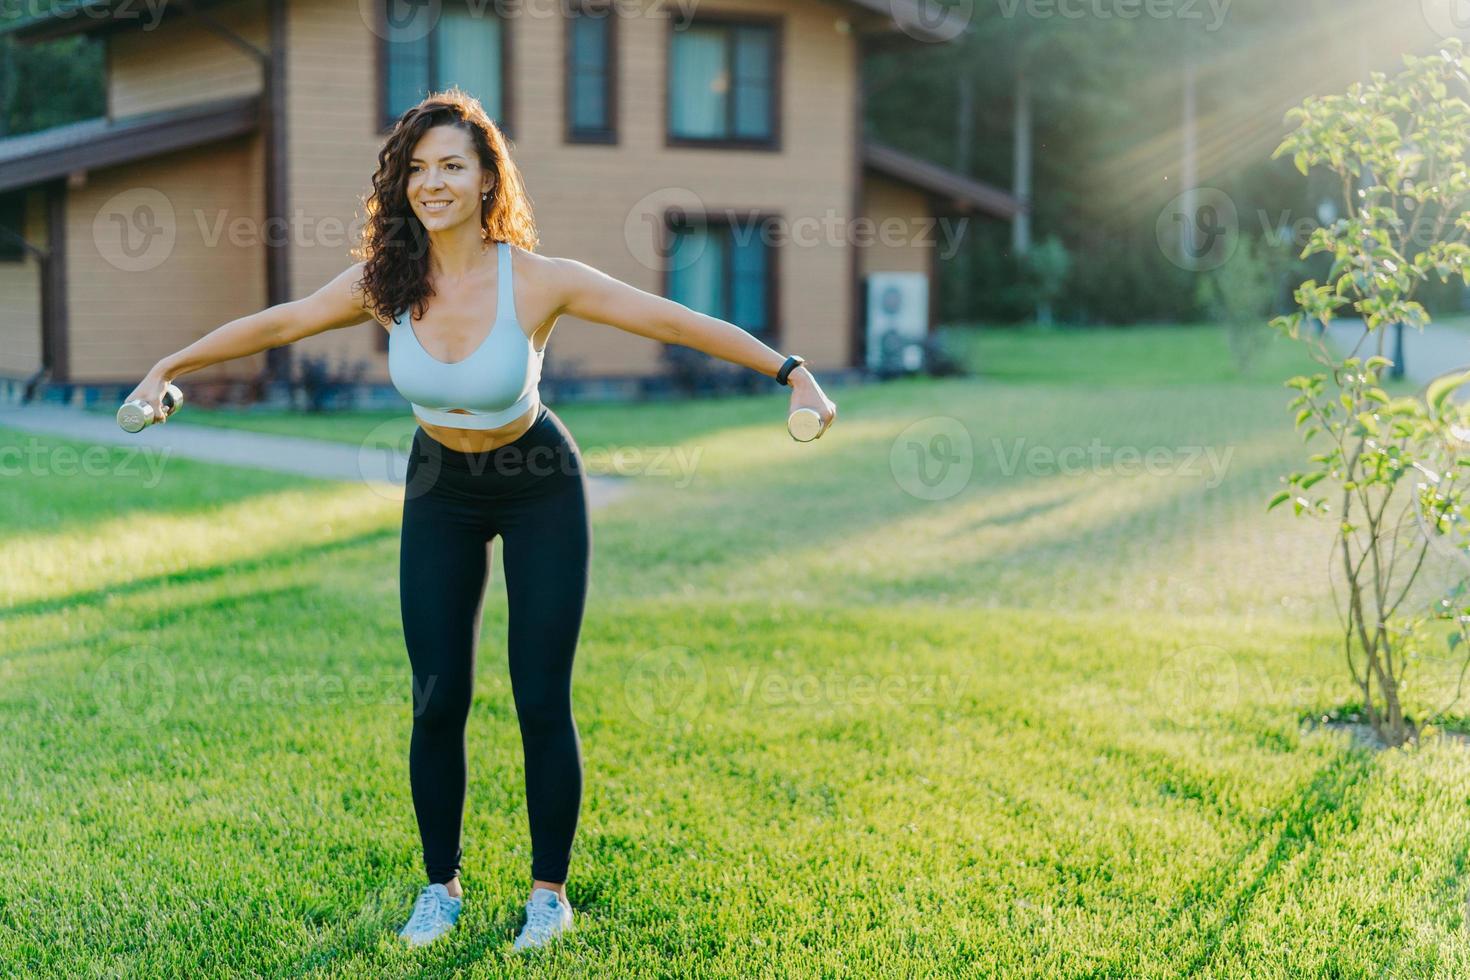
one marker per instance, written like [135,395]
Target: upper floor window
[12,226]
[723,268]
[591,75]
[465,46]
[723,84]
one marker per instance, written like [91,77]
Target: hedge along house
[241,135]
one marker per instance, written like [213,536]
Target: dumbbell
[805,424]
[136,415]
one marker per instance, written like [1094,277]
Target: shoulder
[546,272]
[353,276]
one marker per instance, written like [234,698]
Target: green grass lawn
[957,690]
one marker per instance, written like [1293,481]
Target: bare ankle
[560,887]
[453,888]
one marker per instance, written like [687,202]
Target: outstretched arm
[589,294]
[593,295]
[336,304]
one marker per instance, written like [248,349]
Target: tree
[1397,147]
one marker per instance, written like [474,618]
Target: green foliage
[1241,295]
[1107,109]
[1398,149]
[50,84]
[1047,265]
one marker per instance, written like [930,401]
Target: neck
[456,252]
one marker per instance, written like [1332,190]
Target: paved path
[374,461]
[1427,353]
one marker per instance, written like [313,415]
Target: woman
[448,219]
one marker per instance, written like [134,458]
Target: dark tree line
[1125,114]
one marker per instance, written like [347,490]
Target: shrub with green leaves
[1242,293]
[1393,465]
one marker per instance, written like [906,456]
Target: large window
[591,74]
[465,46]
[723,84]
[12,226]
[723,268]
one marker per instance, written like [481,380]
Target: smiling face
[445,179]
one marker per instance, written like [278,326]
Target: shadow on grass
[55,501]
[272,560]
[1336,791]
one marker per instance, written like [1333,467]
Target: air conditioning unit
[898,321]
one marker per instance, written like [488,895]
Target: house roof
[963,192]
[55,152]
[922,20]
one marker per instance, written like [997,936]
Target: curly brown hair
[394,245]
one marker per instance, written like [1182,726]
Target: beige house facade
[241,135]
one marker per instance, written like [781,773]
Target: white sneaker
[434,914]
[546,917]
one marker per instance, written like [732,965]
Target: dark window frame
[385,120]
[725,218]
[605,11]
[729,19]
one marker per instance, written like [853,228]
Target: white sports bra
[498,383]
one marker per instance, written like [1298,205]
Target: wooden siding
[583,194]
[332,147]
[181,61]
[123,321]
[885,199]
[20,297]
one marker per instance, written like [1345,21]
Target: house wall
[147,276]
[582,194]
[200,64]
[20,297]
[885,199]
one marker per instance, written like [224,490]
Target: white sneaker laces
[542,919]
[427,911]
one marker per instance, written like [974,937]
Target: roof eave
[903,22]
[960,192]
[128,140]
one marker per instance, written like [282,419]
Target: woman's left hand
[808,394]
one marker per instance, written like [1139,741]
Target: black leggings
[533,493]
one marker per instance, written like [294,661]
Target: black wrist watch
[793,362]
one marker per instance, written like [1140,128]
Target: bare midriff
[479,440]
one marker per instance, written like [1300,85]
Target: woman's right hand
[151,390]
